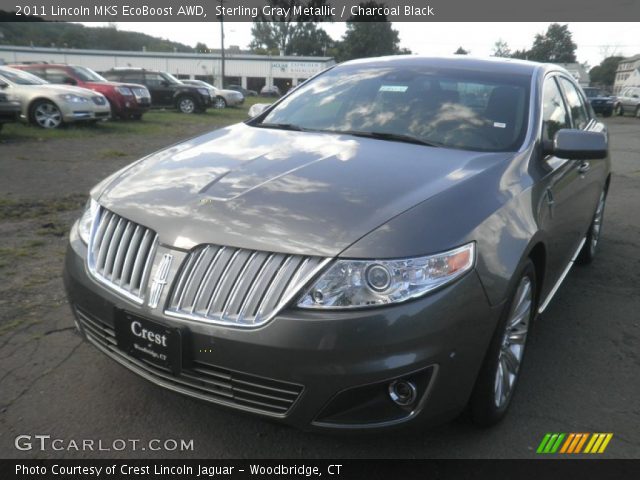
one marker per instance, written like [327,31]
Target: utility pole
[221,17]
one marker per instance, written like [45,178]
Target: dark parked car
[166,90]
[9,110]
[628,102]
[369,251]
[243,91]
[127,100]
[270,91]
[601,102]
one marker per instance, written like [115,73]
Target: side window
[554,112]
[154,80]
[38,72]
[133,77]
[58,75]
[579,112]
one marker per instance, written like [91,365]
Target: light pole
[221,16]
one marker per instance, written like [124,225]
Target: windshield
[454,108]
[170,78]
[87,75]
[19,77]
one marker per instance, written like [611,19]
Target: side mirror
[165,83]
[70,81]
[580,145]
[257,109]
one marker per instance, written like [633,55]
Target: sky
[595,40]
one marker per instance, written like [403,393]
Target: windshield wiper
[395,137]
[280,126]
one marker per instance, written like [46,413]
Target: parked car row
[627,103]
[49,106]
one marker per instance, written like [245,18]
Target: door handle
[584,167]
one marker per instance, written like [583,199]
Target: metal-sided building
[249,71]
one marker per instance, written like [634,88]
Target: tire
[45,114]
[607,113]
[186,104]
[500,371]
[618,110]
[590,247]
[638,111]
[136,116]
[219,102]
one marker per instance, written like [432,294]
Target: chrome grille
[201,380]
[121,253]
[238,287]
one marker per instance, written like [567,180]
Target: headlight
[86,220]
[366,283]
[124,91]
[204,91]
[71,98]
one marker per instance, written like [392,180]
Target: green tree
[501,49]
[310,40]
[462,51]
[373,38]
[556,45]
[605,74]
[277,32]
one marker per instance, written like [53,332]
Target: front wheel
[501,368]
[186,105]
[46,114]
[588,252]
[220,102]
[638,111]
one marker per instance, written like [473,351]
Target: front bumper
[84,112]
[313,370]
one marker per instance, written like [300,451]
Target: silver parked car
[221,98]
[628,102]
[369,251]
[49,106]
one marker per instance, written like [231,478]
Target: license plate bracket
[149,340]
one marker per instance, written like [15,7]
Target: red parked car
[128,100]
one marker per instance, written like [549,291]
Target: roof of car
[495,64]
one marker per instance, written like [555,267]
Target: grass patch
[112,154]
[155,122]
[21,209]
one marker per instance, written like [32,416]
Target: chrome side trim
[555,288]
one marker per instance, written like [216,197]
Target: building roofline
[177,55]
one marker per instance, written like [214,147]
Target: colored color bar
[567,443]
[555,447]
[592,440]
[550,443]
[605,443]
[583,438]
[543,443]
[596,446]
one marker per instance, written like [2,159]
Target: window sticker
[499,125]
[393,88]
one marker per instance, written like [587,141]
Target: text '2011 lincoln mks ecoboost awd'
[369,251]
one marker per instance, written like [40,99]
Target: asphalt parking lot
[582,372]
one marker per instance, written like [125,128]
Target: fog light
[402,392]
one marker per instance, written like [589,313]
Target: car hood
[115,84]
[284,191]
[61,89]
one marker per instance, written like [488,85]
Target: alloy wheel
[220,103]
[186,105]
[513,342]
[47,115]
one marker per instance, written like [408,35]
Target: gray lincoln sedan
[367,252]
